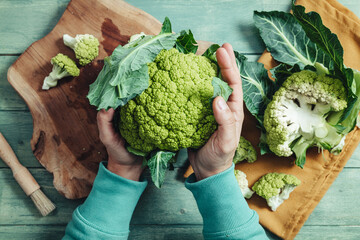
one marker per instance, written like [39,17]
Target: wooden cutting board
[65,138]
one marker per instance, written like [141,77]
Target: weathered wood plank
[329,232]
[166,232]
[24,22]
[17,208]
[340,200]
[149,232]
[39,232]
[173,204]
[178,232]
[16,126]
[9,99]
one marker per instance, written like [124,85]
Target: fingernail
[222,104]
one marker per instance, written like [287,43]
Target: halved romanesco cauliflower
[299,115]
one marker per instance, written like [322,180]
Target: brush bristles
[42,203]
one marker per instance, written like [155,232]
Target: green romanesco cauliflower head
[275,188]
[245,151]
[85,46]
[296,118]
[174,112]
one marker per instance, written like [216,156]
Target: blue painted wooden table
[169,213]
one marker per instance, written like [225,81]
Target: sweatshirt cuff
[220,202]
[111,202]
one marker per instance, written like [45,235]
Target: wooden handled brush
[25,179]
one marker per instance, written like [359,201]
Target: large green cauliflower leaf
[125,72]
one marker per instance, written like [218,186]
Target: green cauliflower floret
[85,46]
[275,188]
[174,112]
[245,151]
[299,115]
[63,66]
[243,184]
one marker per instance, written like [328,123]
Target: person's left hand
[120,161]
[217,154]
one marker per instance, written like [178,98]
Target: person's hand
[120,161]
[217,154]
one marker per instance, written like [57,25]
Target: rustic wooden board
[65,138]
[180,232]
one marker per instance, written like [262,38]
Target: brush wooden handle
[21,173]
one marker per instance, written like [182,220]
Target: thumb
[107,132]
[226,133]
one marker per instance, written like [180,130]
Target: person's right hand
[217,154]
[120,161]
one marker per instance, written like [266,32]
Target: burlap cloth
[319,171]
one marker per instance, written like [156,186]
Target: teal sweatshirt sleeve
[107,211]
[226,215]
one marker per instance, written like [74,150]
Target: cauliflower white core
[243,184]
[53,78]
[302,119]
[275,201]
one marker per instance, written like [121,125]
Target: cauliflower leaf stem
[158,164]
